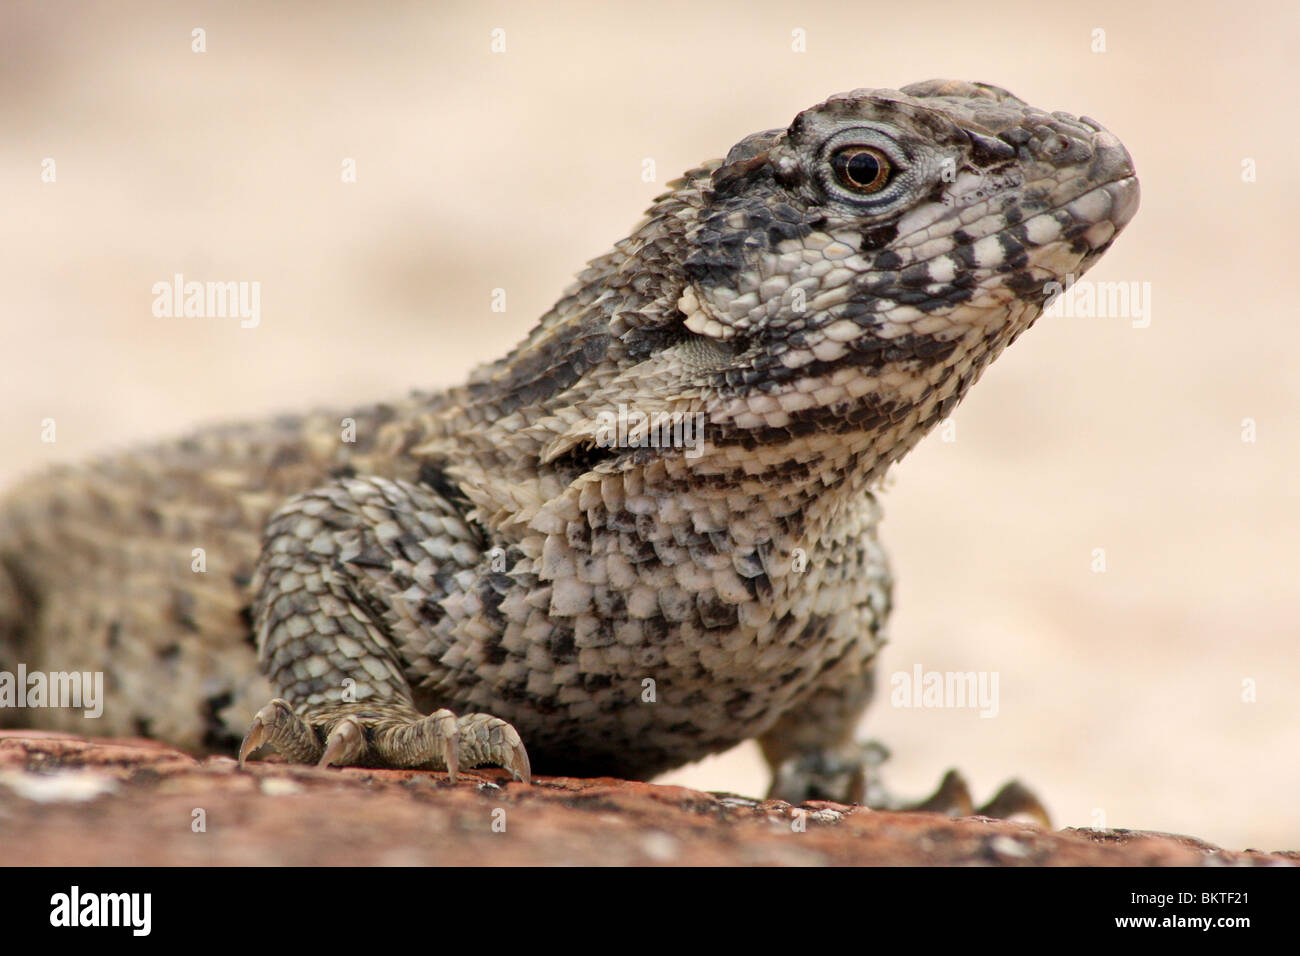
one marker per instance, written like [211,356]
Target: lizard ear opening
[697,351]
[581,457]
[704,352]
[648,340]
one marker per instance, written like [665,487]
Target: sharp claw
[254,739]
[331,753]
[516,757]
[344,745]
[491,740]
[952,798]
[451,756]
[263,727]
[450,734]
[519,765]
[1015,799]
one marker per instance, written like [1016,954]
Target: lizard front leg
[351,575]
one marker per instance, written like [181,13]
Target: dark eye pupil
[863,168]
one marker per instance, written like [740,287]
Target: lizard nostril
[1112,157]
[1056,145]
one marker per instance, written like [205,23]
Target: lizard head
[827,292]
[847,279]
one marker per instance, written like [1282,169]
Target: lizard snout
[1113,165]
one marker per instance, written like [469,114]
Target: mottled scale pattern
[487,556]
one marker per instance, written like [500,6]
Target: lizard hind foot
[953,798]
[388,736]
[851,774]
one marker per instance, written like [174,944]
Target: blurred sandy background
[1121,693]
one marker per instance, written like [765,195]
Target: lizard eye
[862,169]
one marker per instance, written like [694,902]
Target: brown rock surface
[67,800]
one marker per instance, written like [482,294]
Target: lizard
[489,575]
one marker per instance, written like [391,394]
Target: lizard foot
[360,735]
[851,775]
[953,799]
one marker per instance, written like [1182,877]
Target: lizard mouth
[1119,199]
[1125,195]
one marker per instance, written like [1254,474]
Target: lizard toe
[1016,800]
[488,739]
[953,798]
[389,736]
[277,726]
[418,741]
[346,744]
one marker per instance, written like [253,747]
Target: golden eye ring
[861,169]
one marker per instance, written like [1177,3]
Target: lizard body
[483,576]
